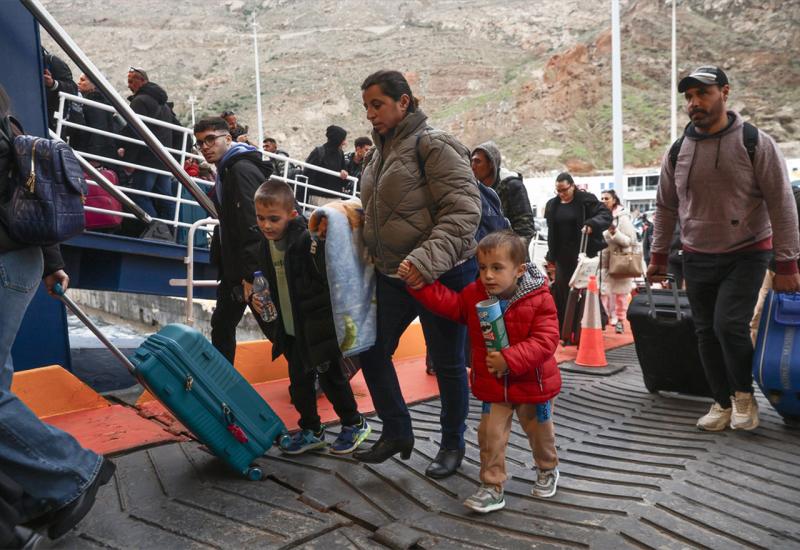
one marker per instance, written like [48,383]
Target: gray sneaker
[546,483]
[486,499]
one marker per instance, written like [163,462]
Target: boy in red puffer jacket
[523,377]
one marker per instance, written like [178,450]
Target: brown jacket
[431,220]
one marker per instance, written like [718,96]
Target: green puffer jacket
[431,220]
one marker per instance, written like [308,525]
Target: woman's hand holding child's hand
[411,275]
[496,363]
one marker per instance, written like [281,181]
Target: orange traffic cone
[591,352]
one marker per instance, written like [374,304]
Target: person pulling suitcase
[727,184]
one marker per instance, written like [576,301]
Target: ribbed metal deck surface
[634,473]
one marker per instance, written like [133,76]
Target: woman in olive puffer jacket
[421,204]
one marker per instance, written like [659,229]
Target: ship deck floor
[635,472]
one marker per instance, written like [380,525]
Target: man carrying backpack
[237,240]
[726,182]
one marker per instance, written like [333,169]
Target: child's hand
[496,363]
[247,293]
[403,270]
[247,290]
[411,275]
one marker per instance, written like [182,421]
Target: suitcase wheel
[279,438]
[254,473]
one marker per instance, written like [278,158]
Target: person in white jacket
[621,237]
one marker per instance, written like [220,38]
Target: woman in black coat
[567,215]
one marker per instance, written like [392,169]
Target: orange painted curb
[254,362]
[112,430]
[416,386]
[50,391]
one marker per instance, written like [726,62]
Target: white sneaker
[745,411]
[716,419]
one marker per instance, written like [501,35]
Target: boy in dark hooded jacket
[304,331]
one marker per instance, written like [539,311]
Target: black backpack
[749,137]
[492,217]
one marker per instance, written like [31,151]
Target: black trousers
[722,291]
[225,319]
[304,393]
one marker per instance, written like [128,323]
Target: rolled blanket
[351,274]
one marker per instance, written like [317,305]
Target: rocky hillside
[532,75]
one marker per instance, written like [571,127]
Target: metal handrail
[300,180]
[189,281]
[121,137]
[48,22]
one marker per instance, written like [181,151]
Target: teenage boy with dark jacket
[236,241]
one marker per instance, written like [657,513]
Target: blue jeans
[49,464]
[153,183]
[445,340]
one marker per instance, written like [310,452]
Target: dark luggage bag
[573,314]
[666,345]
[201,388]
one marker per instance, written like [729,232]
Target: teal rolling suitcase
[201,388]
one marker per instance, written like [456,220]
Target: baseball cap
[703,76]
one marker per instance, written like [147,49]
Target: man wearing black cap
[329,155]
[726,182]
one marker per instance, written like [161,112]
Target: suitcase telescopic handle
[58,290]
[584,242]
[651,303]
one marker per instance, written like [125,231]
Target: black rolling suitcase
[666,345]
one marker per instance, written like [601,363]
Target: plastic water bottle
[261,293]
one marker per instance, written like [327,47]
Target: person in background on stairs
[734,202]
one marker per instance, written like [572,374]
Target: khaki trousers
[493,433]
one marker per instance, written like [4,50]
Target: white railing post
[189,282]
[60,115]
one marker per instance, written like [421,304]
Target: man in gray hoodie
[736,210]
[486,166]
